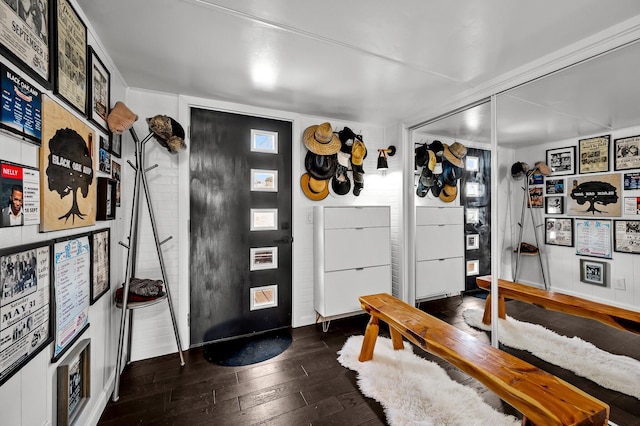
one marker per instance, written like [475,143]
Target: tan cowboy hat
[321,140]
[455,153]
[448,193]
[314,189]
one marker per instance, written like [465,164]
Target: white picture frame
[263,258]
[472,164]
[264,219]
[473,267]
[264,180]
[264,141]
[473,241]
[473,216]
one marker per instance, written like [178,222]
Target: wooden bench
[622,319]
[542,398]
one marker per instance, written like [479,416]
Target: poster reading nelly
[21,106]
[19,195]
[67,171]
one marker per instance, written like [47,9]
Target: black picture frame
[21,106]
[558,231]
[99,90]
[594,154]
[626,153]
[594,272]
[32,329]
[562,161]
[554,204]
[554,186]
[106,208]
[72,290]
[33,54]
[626,236]
[70,62]
[74,383]
[100,263]
[116,144]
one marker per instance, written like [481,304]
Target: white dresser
[440,268]
[352,257]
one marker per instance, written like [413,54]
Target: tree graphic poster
[67,170]
[594,196]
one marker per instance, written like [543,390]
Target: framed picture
[72,289]
[116,174]
[19,195]
[554,186]
[105,143]
[472,189]
[536,198]
[264,219]
[70,38]
[593,272]
[21,106]
[25,305]
[473,241]
[104,161]
[473,267]
[263,258]
[264,180]
[264,141]
[473,216]
[558,231]
[632,206]
[471,164]
[594,154]
[593,238]
[74,383]
[25,37]
[596,196]
[631,181]
[627,153]
[100,261]
[116,144]
[554,205]
[562,161]
[626,235]
[106,208]
[536,179]
[99,91]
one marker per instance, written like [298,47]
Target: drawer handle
[359,269]
[359,229]
[441,260]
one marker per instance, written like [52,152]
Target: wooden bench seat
[542,398]
[622,319]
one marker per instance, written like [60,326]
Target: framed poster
[536,198]
[558,231]
[116,144]
[19,194]
[100,261]
[554,205]
[104,161]
[67,177]
[554,186]
[594,154]
[25,37]
[99,91]
[626,236]
[632,206]
[593,272]
[72,290]
[627,153]
[25,305]
[593,238]
[74,383]
[116,175]
[562,161]
[598,196]
[631,181]
[21,106]
[70,39]
[263,258]
[106,208]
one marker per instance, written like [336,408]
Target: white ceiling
[369,61]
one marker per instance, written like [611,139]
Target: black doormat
[248,350]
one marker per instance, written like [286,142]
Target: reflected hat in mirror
[314,189]
[321,140]
[455,153]
[320,166]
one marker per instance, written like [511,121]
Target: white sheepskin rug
[617,372]
[415,391]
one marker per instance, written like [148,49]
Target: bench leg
[502,312]
[396,338]
[369,342]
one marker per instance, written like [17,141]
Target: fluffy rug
[414,391]
[617,372]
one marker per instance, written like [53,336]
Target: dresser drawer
[439,216]
[356,217]
[438,277]
[356,248]
[439,241]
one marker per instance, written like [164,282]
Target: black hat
[320,167]
[340,183]
[437,148]
[346,136]
[518,169]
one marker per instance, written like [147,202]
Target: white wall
[29,397]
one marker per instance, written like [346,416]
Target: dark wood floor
[306,385]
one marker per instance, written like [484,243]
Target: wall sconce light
[382,157]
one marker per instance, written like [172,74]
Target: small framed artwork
[473,241]
[100,261]
[626,236]
[99,91]
[104,158]
[263,258]
[74,383]
[554,205]
[562,161]
[631,181]
[471,164]
[594,154]
[593,272]
[264,180]
[473,267]
[116,145]
[473,215]
[105,143]
[558,231]
[632,206]
[264,219]
[593,238]
[264,297]
[70,77]
[116,174]
[536,198]
[554,186]
[264,141]
[22,105]
[472,189]
[627,153]
[536,179]
[106,206]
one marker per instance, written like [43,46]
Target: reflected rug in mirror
[618,372]
[415,391]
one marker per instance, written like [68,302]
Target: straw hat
[314,189]
[455,153]
[321,140]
